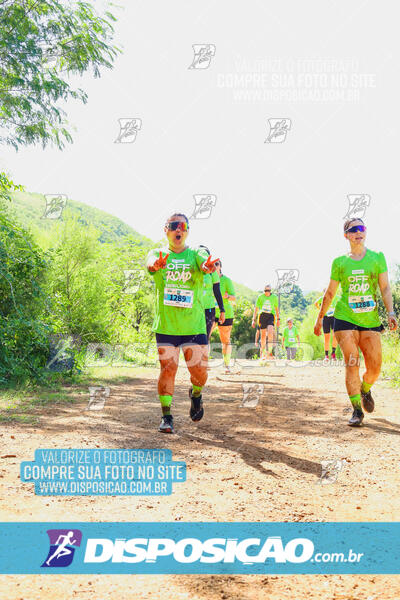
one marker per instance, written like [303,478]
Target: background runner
[357,324]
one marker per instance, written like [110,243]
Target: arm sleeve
[335,270]
[382,266]
[229,287]
[201,256]
[218,297]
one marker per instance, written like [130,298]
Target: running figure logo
[330,471]
[133,279]
[128,129]
[203,205]
[97,397]
[278,129]
[63,543]
[286,280]
[358,204]
[55,204]
[251,394]
[203,54]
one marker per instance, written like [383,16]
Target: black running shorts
[327,324]
[181,340]
[340,325]
[226,323]
[210,318]
[266,319]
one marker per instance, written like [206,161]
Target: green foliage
[307,336]
[242,331]
[24,328]
[87,281]
[390,357]
[294,305]
[7,187]
[42,43]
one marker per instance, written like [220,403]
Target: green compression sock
[166,402]
[356,401]
[227,358]
[365,387]
[196,390]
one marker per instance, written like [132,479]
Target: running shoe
[227,370]
[167,424]
[367,401]
[356,418]
[333,356]
[196,407]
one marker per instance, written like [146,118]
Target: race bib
[330,312]
[362,304]
[178,297]
[292,339]
[266,307]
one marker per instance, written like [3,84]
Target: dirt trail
[244,464]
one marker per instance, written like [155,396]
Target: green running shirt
[359,281]
[331,309]
[226,285]
[267,304]
[179,308]
[290,336]
[208,293]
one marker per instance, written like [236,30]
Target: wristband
[391,314]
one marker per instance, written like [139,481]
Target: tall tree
[43,42]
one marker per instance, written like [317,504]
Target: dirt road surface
[246,461]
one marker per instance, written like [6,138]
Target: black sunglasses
[174,225]
[268,290]
[356,228]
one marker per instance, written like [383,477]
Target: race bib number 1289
[178,297]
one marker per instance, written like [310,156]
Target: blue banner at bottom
[208,548]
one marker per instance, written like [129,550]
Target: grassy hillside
[30,208]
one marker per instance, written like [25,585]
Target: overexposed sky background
[279,205]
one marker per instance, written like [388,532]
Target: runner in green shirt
[212,294]
[179,315]
[267,304]
[225,326]
[289,342]
[356,321]
[327,326]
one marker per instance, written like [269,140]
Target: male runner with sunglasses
[179,315]
[267,304]
[356,320]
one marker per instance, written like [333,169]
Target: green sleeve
[215,277]
[201,256]
[335,270]
[229,287]
[276,301]
[382,266]
[259,302]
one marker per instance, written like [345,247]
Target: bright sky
[331,70]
